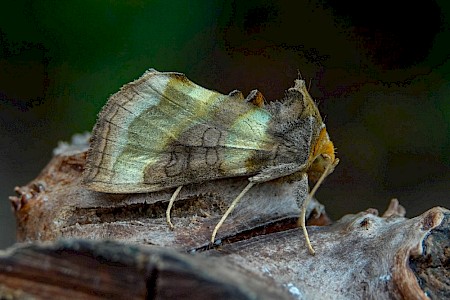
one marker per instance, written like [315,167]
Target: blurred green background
[380,72]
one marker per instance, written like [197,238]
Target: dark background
[380,73]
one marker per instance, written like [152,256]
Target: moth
[163,131]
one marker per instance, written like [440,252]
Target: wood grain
[262,254]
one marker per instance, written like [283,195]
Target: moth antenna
[309,85]
[230,209]
[302,219]
[169,207]
[299,74]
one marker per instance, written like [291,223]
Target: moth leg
[265,175]
[230,209]
[302,219]
[301,223]
[169,207]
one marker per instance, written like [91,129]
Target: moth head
[323,157]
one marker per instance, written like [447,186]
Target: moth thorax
[323,156]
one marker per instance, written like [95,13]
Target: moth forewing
[163,131]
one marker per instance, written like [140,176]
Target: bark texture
[261,253]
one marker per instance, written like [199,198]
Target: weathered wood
[82,269]
[262,254]
[57,205]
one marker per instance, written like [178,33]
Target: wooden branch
[262,254]
[82,269]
